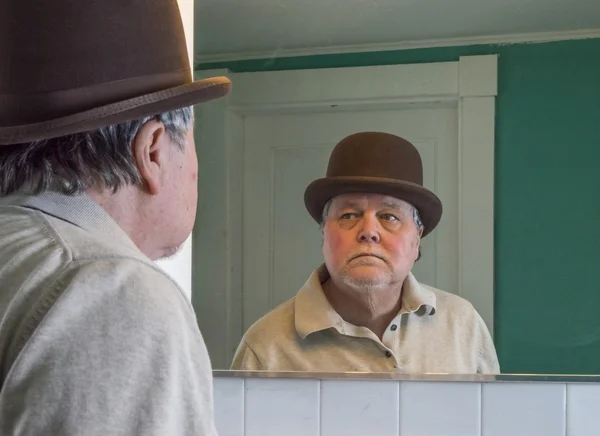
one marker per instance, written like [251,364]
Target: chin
[175,247]
[366,283]
[168,253]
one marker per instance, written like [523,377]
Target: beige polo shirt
[434,332]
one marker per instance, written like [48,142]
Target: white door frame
[471,82]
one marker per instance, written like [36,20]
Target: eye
[348,216]
[388,217]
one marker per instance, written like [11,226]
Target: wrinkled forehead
[369,200]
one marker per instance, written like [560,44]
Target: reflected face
[370,241]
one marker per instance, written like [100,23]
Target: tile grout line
[244,407]
[320,409]
[399,399]
[565,408]
[480,409]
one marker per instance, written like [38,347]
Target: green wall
[547,295]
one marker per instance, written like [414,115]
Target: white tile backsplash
[301,407]
[523,409]
[229,406]
[440,408]
[282,407]
[583,409]
[359,408]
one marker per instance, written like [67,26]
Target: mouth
[358,256]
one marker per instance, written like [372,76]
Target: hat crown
[377,163]
[378,155]
[64,56]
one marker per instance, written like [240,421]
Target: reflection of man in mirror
[363,310]
[98,178]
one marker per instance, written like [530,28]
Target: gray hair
[415,214]
[71,164]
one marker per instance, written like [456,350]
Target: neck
[127,209]
[371,309]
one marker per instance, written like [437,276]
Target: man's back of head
[95,97]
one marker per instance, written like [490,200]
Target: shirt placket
[391,340]
[389,356]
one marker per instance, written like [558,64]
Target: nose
[369,231]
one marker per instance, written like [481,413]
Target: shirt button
[393,327]
[388,354]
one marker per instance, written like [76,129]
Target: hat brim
[319,192]
[138,107]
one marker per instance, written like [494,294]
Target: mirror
[505,126]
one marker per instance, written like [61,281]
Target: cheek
[194,175]
[192,163]
[332,244]
[405,245]
[188,185]
[191,171]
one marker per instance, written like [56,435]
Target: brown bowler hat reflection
[380,163]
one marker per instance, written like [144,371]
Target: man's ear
[420,234]
[148,154]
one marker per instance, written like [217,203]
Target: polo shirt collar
[80,210]
[314,313]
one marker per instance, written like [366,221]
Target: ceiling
[253,28]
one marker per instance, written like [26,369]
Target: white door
[284,153]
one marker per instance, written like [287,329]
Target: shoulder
[125,288]
[83,244]
[56,267]
[450,301]
[452,306]
[120,305]
[123,336]
[457,311]
[263,340]
[25,236]
[119,308]
[31,231]
[277,323]
[58,270]
[78,264]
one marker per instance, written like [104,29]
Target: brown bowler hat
[75,65]
[380,163]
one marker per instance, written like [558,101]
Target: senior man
[98,177]
[363,309]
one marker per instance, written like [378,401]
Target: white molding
[521,38]
[471,83]
[322,88]
[478,79]
[478,76]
